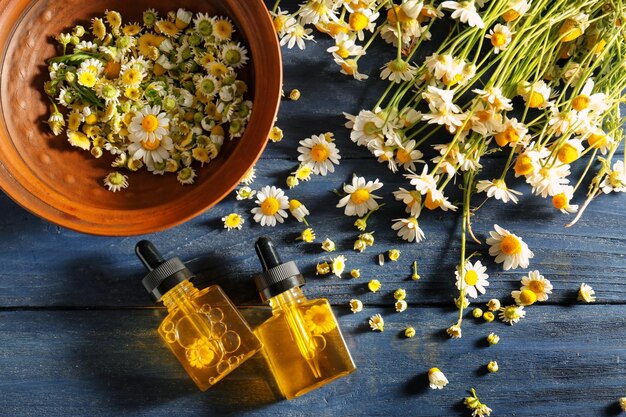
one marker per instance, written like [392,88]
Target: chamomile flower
[319,154]
[328,245]
[350,67]
[524,297]
[186,176]
[116,181]
[249,177]
[361,20]
[436,379]
[498,189]
[407,155]
[223,29]
[377,322]
[465,12]
[272,203]
[203,25]
[234,55]
[536,283]
[356,306]
[374,285]
[360,199]
[586,293]
[423,182]
[86,78]
[473,279]
[562,200]
[245,193]
[233,221]
[398,70]
[549,181]
[167,28]
[615,180]
[345,46]
[296,34]
[500,37]
[412,199]
[338,265]
[512,314]
[535,95]
[298,210]
[408,229]
[508,249]
[401,305]
[587,101]
[454,331]
[307,235]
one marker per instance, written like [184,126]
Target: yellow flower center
[87,79]
[279,22]
[511,313]
[360,196]
[510,15]
[511,245]
[348,66]
[358,21]
[498,39]
[581,102]
[535,99]
[270,206]
[403,156]
[223,29]
[335,29]
[527,297]
[218,69]
[319,152]
[233,220]
[294,204]
[471,278]
[131,76]
[568,153]
[570,30]
[430,203]
[151,145]
[524,165]
[560,201]
[150,123]
[597,140]
[342,52]
[536,286]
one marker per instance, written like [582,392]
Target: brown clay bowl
[45,175]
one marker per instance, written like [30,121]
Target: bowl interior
[48,176]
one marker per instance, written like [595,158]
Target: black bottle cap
[277,277]
[164,275]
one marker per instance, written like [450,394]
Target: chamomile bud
[493,339]
[477,313]
[409,332]
[488,316]
[492,366]
[294,94]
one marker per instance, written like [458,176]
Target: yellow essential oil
[302,341]
[203,328]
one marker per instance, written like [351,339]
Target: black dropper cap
[164,275]
[277,277]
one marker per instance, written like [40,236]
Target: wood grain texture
[77,339]
[103,363]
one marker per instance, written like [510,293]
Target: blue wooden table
[77,330]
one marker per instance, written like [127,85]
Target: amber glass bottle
[301,341]
[203,328]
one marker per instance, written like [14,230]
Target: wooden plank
[49,266]
[556,362]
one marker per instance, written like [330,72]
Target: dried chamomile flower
[436,378]
[622,403]
[292,182]
[493,339]
[374,285]
[233,221]
[512,314]
[360,245]
[492,367]
[245,193]
[409,332]
[377,322]
[461,302]
[355,273]
[493,304]
[488,316]
[393,254]
[524,297]
[276,134]
[586,293]
[368,238]
[454,331]
[116,181]
[401,305]
[328,245]
[477,408]
[399,294]
[307,235]
[477,313]
[294,94]
[322,268]
[303,173]
[298,211]
[356,305]
[338,265]
[360,224]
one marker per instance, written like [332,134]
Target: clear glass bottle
[302,341]
[203,328]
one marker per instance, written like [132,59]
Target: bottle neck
[286,299]
[179,295]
